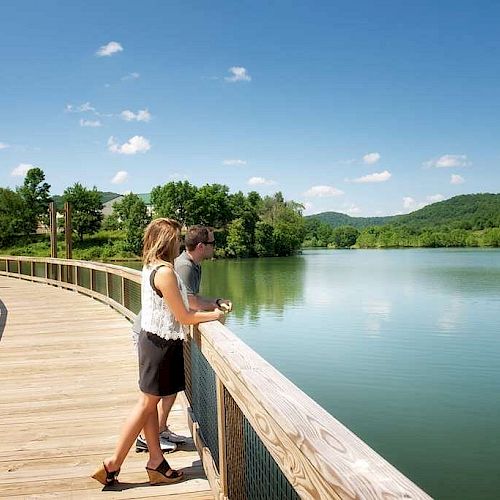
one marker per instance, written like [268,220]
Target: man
[199,242]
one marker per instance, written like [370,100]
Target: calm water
[402,346]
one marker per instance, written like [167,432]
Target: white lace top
[156,317]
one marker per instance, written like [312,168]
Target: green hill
[468,211]
[337,219]
[105,196]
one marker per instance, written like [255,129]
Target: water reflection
[256,286]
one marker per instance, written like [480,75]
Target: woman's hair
[160,240]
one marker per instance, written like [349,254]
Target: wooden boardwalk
[68,376]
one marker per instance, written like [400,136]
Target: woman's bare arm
[166,282]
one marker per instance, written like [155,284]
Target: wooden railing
[253,427]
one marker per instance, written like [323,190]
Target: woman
[165,310]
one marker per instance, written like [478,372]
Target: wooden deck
[68,376]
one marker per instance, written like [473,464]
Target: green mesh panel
[26,268]
[187,371]
[3,265]
[67,273]
[83,277]
[99,282]
[12,266]
[39,269]
[115,287]
[204,400]
[132,298]
[53,272]
[263,478]
[235,451]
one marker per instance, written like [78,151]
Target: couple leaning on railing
[169,301]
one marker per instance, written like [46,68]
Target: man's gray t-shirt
[189,272]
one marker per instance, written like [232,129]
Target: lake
[402,346]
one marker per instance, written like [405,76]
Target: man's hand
[225,305]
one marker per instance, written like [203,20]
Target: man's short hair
[195,235]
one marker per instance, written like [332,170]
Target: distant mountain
[336,219]
[468,211]
[105,196]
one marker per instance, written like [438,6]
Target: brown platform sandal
[161,475]
[105,477]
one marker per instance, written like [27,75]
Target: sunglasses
[209,242]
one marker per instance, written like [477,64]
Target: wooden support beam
[53,229]
[68,230]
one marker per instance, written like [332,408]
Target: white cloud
[260,181]
[22,169]
[120,177]
[234,163]
[109,49]
[322,191]
[4,145]
[433,198]
[83,108]
[410,203]
[238,74]
[131,76]
[136,144]
[448,161]
[353,210]
[308,206]
[143,115]
[90,123]
[371,158]
[375,177]
[456,179]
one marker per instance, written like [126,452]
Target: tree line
[321,234]
[246,225]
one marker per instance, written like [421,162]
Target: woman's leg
[142,412]
[164,410]
[151,433]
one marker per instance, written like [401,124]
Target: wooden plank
[67,386]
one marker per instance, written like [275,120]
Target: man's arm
[200,303]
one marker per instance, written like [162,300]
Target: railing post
[53,229]
[68,230]
[123,291]
[221,424]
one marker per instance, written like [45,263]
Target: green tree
[238,243]
[174,200]
[211,206]
[133,213]
[35,193]
[345,236]
[86,209]
[12,215]
[287,222]
[264,239]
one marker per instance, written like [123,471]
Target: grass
[104,245]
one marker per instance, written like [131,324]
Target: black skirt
[161,365]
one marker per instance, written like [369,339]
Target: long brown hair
[159,240]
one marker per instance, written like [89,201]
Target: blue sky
[368,108]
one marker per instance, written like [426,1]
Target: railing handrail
[320,457]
